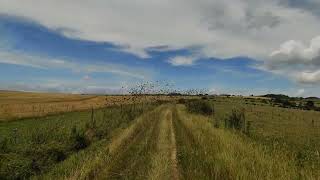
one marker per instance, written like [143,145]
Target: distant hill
[282,96]
[312,98]
[276,96]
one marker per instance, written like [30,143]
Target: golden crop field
[16,105]
[24,104]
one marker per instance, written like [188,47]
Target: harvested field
[16,105]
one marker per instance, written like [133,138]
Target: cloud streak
[20,58]
[65,86]
[182,60]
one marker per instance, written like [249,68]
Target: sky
[107,46]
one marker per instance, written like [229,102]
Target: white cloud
[296,51]
[297,60]
[221,28]
[19,58]
[308,77]
[182,60]
[140,52]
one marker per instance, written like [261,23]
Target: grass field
[17,105]
[168,140]
[298,128]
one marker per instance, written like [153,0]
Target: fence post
[92,118]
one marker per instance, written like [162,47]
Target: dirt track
[145,150]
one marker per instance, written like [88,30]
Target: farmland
[176,138]
[17,105]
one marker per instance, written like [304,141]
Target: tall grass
[162,164]
[293,130]
[33,146]
[110,158]
[140,141]
[206,152]
[200,106]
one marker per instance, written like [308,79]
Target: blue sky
[84,54]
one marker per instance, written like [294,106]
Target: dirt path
[145,150]
[169,143]
[173,148]
[130,159]
[186,148]
[164,161]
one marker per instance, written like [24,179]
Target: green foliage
[286,103]
[78,139]
[292,130]
[294,102]
[200,106]
[236,120]
[4,145]
[182,101]
[33,146]
[15,166]
[310,105]
[283,143]
[205,152]
[277,96]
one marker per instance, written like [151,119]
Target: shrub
[200,106]
[204,98]
[309,105]
[79,140]
[181,101]
[55,152]
[236,120]
[4,145]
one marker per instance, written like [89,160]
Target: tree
[309,105]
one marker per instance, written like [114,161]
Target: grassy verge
[34,146]
[294,131]
[205,152]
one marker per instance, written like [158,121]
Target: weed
[236,120]
[200,106]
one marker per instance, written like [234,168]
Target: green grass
[33,146]
[295,130]
[140,151]
[129,153]
[148,141]
[205,152]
